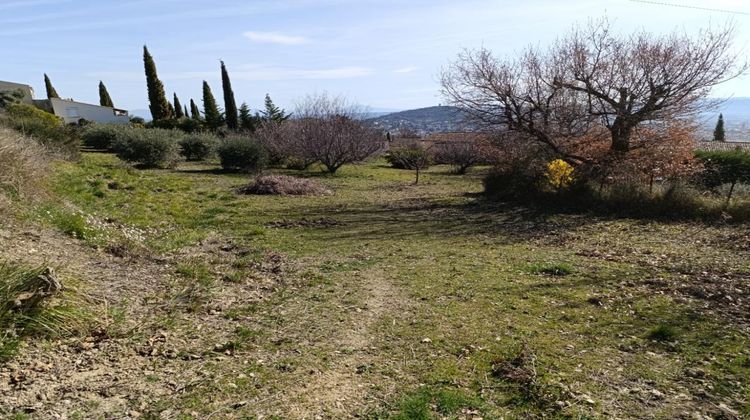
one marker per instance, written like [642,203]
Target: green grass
[438,285]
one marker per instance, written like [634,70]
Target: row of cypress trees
[212,117]
[162,109]
[104,98]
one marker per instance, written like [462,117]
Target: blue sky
[383,54]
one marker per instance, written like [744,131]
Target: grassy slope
[405,304]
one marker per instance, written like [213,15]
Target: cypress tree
[170,107]
[157,99]
[185,112]
[719,133]
[177,107]
[247,120]
[273,112]
[210,109]
[195,113]
[104,98]
[230,106]
[51,92]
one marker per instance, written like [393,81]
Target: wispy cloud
[275,38]
[251,73]
[406,69]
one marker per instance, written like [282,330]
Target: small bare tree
[593,78]
[328,130]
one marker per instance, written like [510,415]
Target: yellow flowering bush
[559,173]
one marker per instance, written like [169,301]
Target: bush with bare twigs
[326,129]
[283,185]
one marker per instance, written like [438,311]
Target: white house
[26,90]
[69,110]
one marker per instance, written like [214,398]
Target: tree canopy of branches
[325,129]
[593,78]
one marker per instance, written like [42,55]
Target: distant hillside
[433,119]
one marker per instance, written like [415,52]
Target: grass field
[388,299]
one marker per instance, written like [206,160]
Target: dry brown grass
[283,185]
[23,167]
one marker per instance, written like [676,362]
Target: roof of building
[723,145]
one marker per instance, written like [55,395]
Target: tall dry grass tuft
[23,167]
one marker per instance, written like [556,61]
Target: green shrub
[511,184]
[412,156]
[725,167]
[244,154]
[45,128]
[198,146]
[101,136]
[149,148]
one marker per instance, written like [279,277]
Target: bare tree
[593,78]
[328,130]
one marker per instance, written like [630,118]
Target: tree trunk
[621,132]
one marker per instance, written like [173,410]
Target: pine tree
[247,119]
[273,112]
[157,99]
[51,92]
[104,98]
[230,106]
[195,112]
[177,107]
[719,133]
[210,109]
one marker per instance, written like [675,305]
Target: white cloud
[406,70]
[275,38]
[252,73]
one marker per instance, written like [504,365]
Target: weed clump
[283,185]
[26,309]
[557,270]
[662,333]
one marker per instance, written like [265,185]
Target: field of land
[382,300]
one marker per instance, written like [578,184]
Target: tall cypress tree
[104,98]
[170,108]
[185,112]
[247,120]
[719,133]
[210,109]
[230,106]
[177,107]
[157,99]
[51,92]
[195,112]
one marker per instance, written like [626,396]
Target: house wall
[72,112]
[28,92]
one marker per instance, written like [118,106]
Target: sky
[384,54]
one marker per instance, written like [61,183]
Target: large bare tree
[329,130]
[593,78]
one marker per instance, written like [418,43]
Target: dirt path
[347,383]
